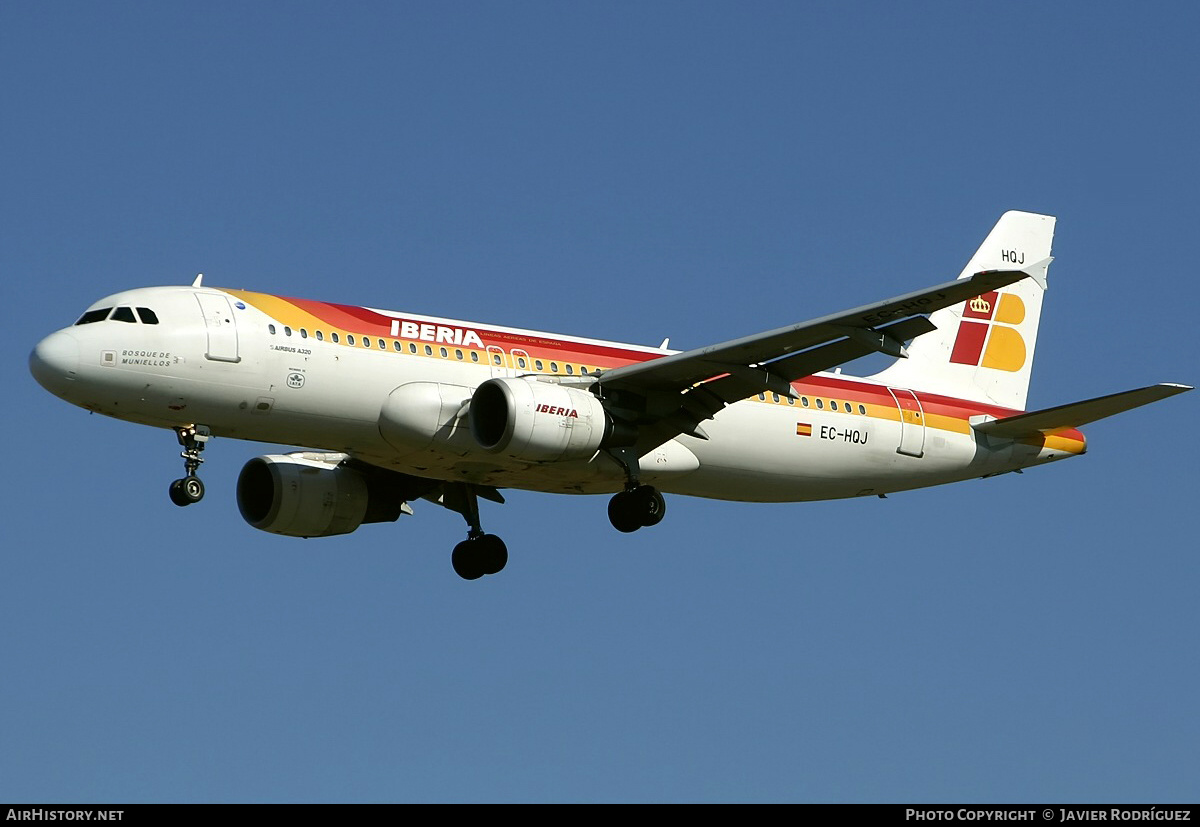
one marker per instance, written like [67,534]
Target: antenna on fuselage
[666,342]
[199,278]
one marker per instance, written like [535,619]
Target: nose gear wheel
[189,489]
[186,491]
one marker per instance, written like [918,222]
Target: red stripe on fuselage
[362,320]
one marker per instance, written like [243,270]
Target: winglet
[1037,271]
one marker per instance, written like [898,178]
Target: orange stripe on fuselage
[361,321]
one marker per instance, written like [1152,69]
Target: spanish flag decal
[803,429]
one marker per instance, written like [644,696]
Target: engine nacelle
[309,495]
[537,421]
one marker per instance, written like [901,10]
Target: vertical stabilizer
[983,348]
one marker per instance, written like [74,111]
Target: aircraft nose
[54,363]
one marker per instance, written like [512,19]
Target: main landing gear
[480,553]
[190,489]
[638,506]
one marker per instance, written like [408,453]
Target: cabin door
[912,422]
[222,330]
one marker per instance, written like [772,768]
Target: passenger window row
[819,404]
[459,354]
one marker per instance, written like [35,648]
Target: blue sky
[625,171]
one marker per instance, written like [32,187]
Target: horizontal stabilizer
[1064,417]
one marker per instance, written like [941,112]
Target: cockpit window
[94,316]
[120,314]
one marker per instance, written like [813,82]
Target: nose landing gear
[190,489]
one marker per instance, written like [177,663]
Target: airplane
[396,407]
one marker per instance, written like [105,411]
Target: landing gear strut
[638,505]
[480,553]
[190,489]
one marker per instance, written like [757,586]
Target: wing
[672,395]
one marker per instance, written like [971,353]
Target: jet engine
[539,421]
[313,495]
